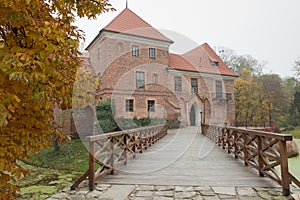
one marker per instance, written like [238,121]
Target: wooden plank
[185,157]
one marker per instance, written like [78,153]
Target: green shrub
[142,122]
[173,124]
[125,124]
[105,116]
[108,125]
[104,113]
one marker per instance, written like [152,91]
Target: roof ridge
[129,22]
[124,10]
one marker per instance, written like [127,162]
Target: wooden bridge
[187,157]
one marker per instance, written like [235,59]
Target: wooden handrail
[107,151]
[114,134]
[262,150]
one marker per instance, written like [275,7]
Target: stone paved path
[152,192]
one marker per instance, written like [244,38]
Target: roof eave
[94,40]
[116,32]
[235,76]
[168,41]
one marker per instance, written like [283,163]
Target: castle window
[129,105]
[98,52]
[140,80]
[214,63]
[152,53]
[218,89]
[135,50]
[177,81]
[194,85]
[151,104]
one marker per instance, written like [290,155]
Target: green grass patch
[295,132]
[73,155]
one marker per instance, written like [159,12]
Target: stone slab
[225,190]
[246,191]
[118,192]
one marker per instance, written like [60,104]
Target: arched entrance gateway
[195,117]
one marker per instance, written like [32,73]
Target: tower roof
[130,23]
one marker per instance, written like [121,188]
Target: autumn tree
[248,97]
[291,105]
[297,68]
[39,60]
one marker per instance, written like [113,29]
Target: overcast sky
[268,30]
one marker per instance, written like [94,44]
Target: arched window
[154,78]
[98,53]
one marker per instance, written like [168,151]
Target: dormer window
[214,63]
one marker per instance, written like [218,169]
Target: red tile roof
[128,22]
[179,62]
[199,60]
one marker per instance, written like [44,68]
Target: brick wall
[118,81]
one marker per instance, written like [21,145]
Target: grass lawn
[55,172]
[295,132]
[73,156]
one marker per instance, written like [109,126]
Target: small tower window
[135,50]
[98,53]
[152,53]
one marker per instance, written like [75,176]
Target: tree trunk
[55,143]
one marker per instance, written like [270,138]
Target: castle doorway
[195,115]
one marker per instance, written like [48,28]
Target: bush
[173,124]
[125,124]
[105,116]
[145,121]
[108,125]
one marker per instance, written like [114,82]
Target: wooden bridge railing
[254,124]
[262,150]
[106,151]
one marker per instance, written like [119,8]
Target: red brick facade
[122,70]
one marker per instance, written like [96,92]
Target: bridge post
[245,149]
[125,148]
[223,135]
[92,166]
[111,159]
[260,159]
[228,141]
[134,145]
[285,181]
[235,144]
